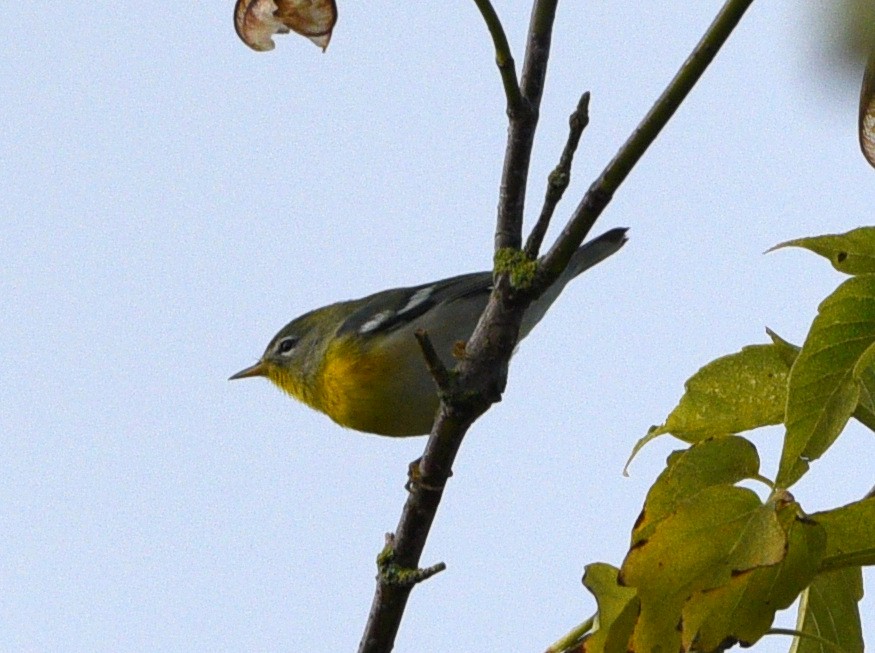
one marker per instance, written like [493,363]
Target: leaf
[850,534]
[617,610]
[787,350]
[720,461]
[734,393]
[865,411]
[852,252]
[866,125]
[823,391]
[721,532]
[744,609]
[256,21]
[652,433]
[829,610]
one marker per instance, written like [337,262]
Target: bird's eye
[286,345]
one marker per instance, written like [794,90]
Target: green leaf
[652,433]
[617,610]
[744,609]
[852,252]
[865,411]
[734,393]
[719,461]
[829,610]
[823,389]
[850,534]
[787,350]
[723,531]
[864,363]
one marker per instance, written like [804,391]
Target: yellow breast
[384,390]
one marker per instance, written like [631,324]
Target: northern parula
[359,363]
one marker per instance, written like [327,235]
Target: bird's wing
[388,310]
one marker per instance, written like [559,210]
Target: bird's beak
[258,369]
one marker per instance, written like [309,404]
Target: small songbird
[359,363]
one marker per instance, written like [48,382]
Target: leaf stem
[798,633]
[572,638]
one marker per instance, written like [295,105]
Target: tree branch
[503,57]
[481,374]
[405,547]
[521,131]
[602,190]
[558,179]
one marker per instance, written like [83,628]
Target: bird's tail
[587,255]
[594,252]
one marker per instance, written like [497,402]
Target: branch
[480,376]
[558,179]
[390,573]
[602,190]
[433,362]
[503,57]
[404,548]
[521,131]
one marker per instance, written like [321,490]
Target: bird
[359,363]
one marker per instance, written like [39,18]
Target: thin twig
[602,190]
[503,57]
[390,573]
[559,178]
[521,131]
[436,367]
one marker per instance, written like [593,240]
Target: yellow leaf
[734,393]
[617,610]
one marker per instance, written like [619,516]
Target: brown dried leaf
[867,112]
[256,21]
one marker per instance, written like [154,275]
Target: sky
[172,199]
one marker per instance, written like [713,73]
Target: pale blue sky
[171,199]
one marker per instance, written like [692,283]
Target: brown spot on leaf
[638,545]
[740,572]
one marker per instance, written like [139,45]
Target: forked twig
[480,376]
